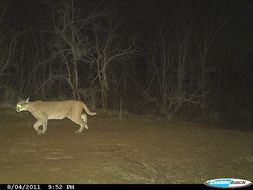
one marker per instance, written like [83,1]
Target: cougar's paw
[78,132]
[41,132]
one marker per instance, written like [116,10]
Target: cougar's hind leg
[82,125]
[84,118]
[79,121]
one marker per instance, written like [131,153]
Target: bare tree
[6,56]
[110,48]
[213,23]
[10,54]
[3,8]
[72,43]
[172,69]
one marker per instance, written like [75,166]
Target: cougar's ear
[27,100]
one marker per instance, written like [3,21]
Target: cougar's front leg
[44,127]
[37,125]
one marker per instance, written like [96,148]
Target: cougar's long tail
[88,111]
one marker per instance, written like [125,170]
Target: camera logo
[228,183]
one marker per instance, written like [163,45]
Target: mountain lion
[43,111]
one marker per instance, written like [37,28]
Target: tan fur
[43,111]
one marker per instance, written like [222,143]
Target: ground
[134,149]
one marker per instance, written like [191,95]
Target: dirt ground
[134,149]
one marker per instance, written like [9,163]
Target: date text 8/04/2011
[39,187]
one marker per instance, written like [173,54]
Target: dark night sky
[35,14]
[32,12]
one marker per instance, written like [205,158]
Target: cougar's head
[22,105]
